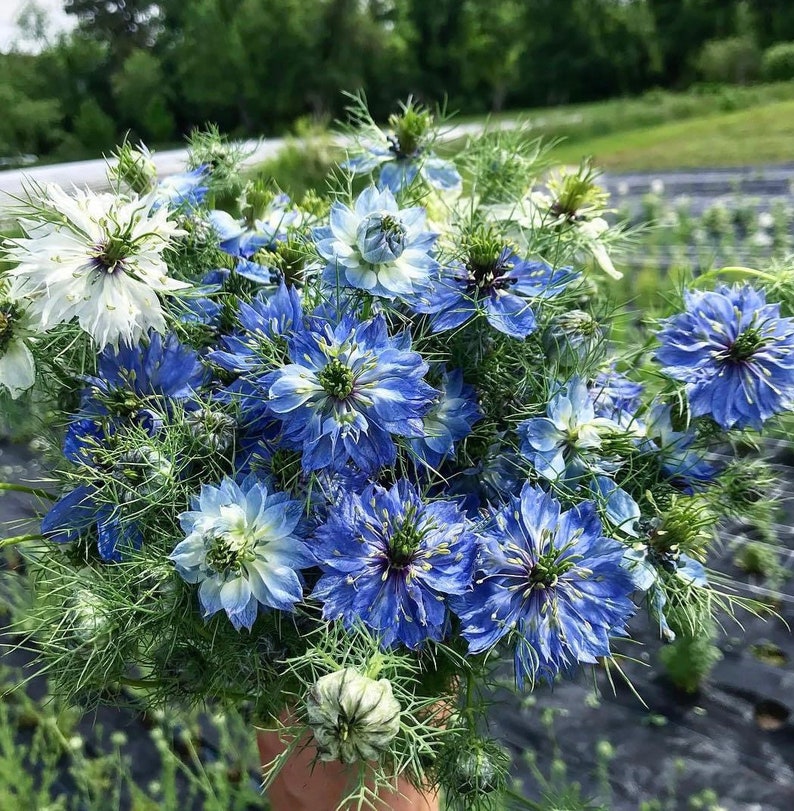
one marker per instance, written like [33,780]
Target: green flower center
[392,228]
[223,556]
[409,129]
[746,345]
[483,260]
[404,541]
[110,255]
[549,568]
[337,379]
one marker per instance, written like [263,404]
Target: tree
[94,128]
[141,96]
[123,24]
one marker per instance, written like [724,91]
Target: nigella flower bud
[572,337]
[214,429]
[380,238]
[135,168]
[353,717]
[142,472]
[473,768]
[88,618]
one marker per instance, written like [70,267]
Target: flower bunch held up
[335,459]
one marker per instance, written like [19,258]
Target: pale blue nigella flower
[377,246]
[243,546]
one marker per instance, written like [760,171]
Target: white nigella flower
[17,369]
[539,210]
[97,258]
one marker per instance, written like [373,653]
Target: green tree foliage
[140,93]
[162,67]
[94,128]
[123,24]
[777,63]
[32,117]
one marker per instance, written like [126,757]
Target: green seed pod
[473,773]
[88,619]
[572,337]
[353,717]
[482,769]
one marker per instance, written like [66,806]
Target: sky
[9,10]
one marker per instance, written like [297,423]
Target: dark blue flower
[85,508]
[141,381]
[244,238]
[260,275]
[451,418]
[264,320]
[734,352]
[390,560]
[615,396]
[350,386]
[498,474]
[504,291]
[684,464]
[551,582]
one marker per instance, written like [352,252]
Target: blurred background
[76,75]
[689,107]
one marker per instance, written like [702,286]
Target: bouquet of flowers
[340,461]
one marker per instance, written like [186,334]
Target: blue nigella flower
[390,560]
[680,461]
[499,473]
[734,352]
[451,418]
[142,381]
[567,442]
[377,246]
[201,310]
[264,320]
[551,582]
[398,169]
[645,565]
[246,269]
[621,510]
[243,545]
[504,291]
[184,189]
[348,389]
[243,238]
[615,396]
[85,508]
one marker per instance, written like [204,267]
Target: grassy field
[757,135]
[710,127]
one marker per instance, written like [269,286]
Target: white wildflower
[17,368]
[97,258]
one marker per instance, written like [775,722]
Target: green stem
[469,710]
[33,491]
[17,539]
[737,269]
[524,801]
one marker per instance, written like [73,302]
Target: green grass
[757,135]
[706,126]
